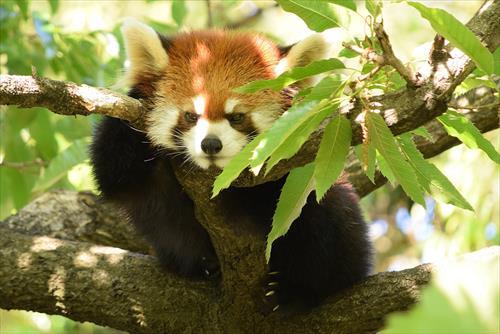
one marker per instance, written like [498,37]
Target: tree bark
[126,290]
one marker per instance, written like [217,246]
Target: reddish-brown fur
[212,64]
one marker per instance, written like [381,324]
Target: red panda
[187,81]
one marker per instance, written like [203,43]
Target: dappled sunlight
[85,260]
[101,278]
[42,243]
[24,261]
[111,254]
[56,287]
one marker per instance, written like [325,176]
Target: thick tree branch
[113,287]
[238,246]
[67,98]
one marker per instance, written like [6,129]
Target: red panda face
[190,81]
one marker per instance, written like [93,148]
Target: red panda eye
[236,118]
[191,117]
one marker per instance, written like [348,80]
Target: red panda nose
[211,145]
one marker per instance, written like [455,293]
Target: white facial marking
[264,118]
[229,105]
[199,102]
[232,142]
[162,121]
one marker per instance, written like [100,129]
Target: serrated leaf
[369,154]
[283,128]
[349,4]
[385,169]
[299,184]
[366,155]
[293,75]
[179,11]
[234,168]
[331,154]
[374,7]
[318,15]
[460,127]
[73,155]
[294,141]
[430,176]
[386,144]
[458,34]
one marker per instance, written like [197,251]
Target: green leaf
[429,175]
[369,155]
[179,11]
[318,15]
[54,6]
[347,53]
[458,34]
[385,169]
[237,164]
[42,131]
[75,154]
[423,132]
[496,59]
[23,8]
[331,154]
[460,127]
[349,4]
[298,186]
[327,87]
[374,7]
[293,75]
[294,141]
[283,128]
[386,144]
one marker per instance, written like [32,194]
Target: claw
[273,283]
[207,272]
[271,273]
[275,308]
[270,293]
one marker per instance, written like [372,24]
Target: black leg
[326,249]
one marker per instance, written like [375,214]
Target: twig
[24,164]
[369,75]
[438,54]
[484,106]
[368,53]
[390,58]
[251,17]
[210,22]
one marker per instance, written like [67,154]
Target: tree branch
[26,269]
[67,98]
[113,287]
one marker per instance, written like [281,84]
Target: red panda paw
[270,298]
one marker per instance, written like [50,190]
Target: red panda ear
[144,48]
[301,54]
